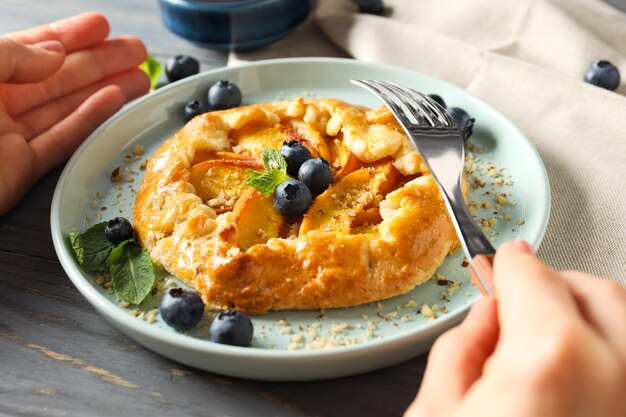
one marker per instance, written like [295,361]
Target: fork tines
[408,105]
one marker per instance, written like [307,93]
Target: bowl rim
[221,5]
[112,312]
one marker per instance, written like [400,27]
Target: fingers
[133,83]
[16,166]
[76,32]
[602,303]
[532,299]
[456,361]
[58,143]
[81,68]
[29,63]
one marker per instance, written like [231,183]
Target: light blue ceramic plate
[298,345]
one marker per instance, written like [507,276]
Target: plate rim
[102,304]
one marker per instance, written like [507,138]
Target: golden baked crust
[378,232]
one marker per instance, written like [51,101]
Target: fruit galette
[378,230]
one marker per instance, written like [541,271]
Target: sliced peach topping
[256,218]
[233,158]
[252,138]
[220,182]
[339,208]
[342,161]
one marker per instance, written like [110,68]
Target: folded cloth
[527,59]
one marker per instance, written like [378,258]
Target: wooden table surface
[58,357]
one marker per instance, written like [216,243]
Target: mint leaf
[272,159]
[153,69]
[275,172]
[266,181]
[91,248]
[132,272]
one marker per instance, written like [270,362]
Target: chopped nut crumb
[116,175]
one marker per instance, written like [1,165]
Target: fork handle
[479,250]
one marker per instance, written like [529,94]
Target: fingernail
[51,46]
[524,246]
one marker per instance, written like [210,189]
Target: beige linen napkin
[527,59]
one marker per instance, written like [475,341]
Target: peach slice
[311,139]
[342,160]
[220,182]
[256,218]
[234,158]
[340,206]
[252,138]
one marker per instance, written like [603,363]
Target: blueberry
[603,74]
[231,327]
[316,174]
[181,309]
[292,198]
[295,153]
[223,95]
[371,6]
[118,230]
[463,120]
[193,109]
[178,67]
[437,98]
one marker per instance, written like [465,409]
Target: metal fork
[438,139]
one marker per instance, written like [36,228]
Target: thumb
[21,63]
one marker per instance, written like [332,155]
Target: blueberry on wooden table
[224,94]
[118,230]
[371,6]
[193,109]
[316,174]
[231,327]
[463,120]
[603,74]
[295,153]
[292,198]
[181,66]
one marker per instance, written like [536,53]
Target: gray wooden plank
[59,357]
[26,228]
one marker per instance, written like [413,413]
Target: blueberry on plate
[181,309]
[193,109]
[292,198]
[223,95]
[231,327]
[181,66]
[316,174]
[371,6]
[118,230]
[437,98]
[603,74]
[463,120]
[295,153]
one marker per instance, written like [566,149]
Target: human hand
[554,344]
[58,82]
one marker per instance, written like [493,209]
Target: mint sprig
[91,248]
[275,172]
[132,272]
[153,68]
[128,264]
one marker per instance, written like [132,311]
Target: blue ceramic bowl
[233,24]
